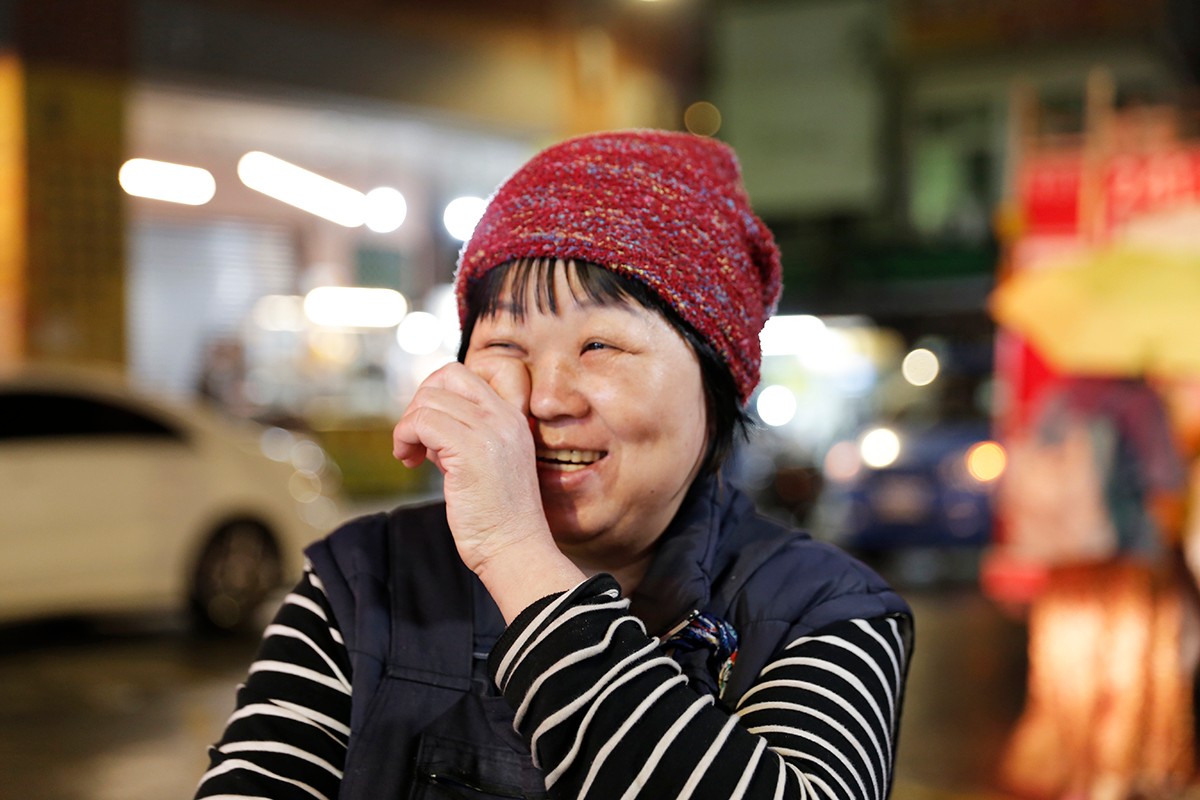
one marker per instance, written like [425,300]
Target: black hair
[727,420]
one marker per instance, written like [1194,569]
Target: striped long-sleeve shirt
[287,737]
[606,712]
[609,715]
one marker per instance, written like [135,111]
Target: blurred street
[229,239]
[126,709]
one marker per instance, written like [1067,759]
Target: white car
[117,501]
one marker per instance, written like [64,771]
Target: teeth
[570,459]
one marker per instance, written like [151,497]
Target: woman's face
[617,411]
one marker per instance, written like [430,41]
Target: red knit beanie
[667,209]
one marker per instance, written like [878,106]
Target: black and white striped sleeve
[609,715]
[287,736]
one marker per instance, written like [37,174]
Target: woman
[593,611]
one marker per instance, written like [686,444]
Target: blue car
[897,487]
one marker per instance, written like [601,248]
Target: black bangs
[510,287]
[533,279]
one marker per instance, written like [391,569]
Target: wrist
[526,571]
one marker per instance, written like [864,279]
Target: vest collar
[679,580]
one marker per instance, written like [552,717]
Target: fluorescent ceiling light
[785,335]
[162,180]
[354,307]
[305,190]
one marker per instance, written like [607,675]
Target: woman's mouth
[568,460]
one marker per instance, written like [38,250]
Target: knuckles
[489,428]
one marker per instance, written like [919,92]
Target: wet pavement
[965,691]
[124,709]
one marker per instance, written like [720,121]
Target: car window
[38,414]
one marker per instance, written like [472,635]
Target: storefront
[1101,281]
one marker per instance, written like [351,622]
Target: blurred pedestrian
[1097,493]
[222,378]
[593,611]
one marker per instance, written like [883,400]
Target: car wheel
[237,570]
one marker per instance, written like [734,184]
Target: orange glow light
[986,461]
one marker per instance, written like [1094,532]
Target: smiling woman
[611,468]
[593,610]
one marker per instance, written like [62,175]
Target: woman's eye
[595,346]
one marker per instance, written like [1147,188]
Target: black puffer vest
[427,721]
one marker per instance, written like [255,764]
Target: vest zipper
[695,612]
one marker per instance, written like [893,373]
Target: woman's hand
[472,423]
[473,428]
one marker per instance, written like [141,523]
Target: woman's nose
[555,391]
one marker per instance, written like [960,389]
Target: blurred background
[228,228]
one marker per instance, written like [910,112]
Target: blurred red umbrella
[1121,310]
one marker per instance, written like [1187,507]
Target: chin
[565,533]
[566,526]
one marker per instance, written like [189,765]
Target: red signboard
[1130,185]
[1048,193]
[1142,184]
[1050,185]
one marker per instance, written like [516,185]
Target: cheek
[687,410]
[692,438]
[664,406]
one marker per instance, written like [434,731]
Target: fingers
[434,418]
[408,454]
[453,402]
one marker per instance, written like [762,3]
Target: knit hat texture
[667,209]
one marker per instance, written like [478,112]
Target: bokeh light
[302,189]
[986,461]
[791,334]
[776,405]
[354,307]
[462,215]
[386,209]
[420,333]
[920,367]
[702,118]
[162,180]
[880,448]
[842,462]
[279,312]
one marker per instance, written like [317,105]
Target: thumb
[508,378]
